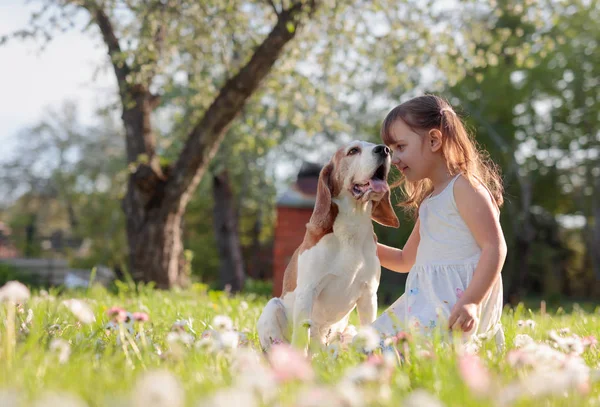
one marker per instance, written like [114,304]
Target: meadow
[135,346]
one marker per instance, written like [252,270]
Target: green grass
[100,373]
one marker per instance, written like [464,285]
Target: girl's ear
[435,140]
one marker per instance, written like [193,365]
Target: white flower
[472,346]
[385,393]
[229,398]
[367,339]
[244,305]
[390,359]
[158,388]
[522,340]
[25,324]
[182,324]
[333,351]
[13,291]
[59,399]
[63,348]
[317,397]
[9,397]
[222,323]
[81,310]
[179,337]
[207,344]
[571,373]
[29,316]
[348,335]
[421,398]
[362,373]
[536,354]
[530,323]
[570,344]
[350,394]
[229,340]
[252,374]
[520,323]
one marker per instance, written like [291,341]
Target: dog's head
[357,171]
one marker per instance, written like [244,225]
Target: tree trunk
[595,248]
[231,272]
[524,237]
[155,201]
[155,246]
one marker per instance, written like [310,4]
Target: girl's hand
[463,316]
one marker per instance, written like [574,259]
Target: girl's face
[410,154]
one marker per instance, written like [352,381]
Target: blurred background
[159,141]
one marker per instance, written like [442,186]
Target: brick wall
[289,233]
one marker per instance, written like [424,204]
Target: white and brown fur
[336,267]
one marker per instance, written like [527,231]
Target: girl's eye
[353,151]
[400,147]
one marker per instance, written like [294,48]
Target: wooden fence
[57,272]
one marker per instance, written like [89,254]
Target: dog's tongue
[378,185]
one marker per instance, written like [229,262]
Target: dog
[336,268]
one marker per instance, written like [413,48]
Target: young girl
[456,249]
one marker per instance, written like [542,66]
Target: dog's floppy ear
[322,216]
[383,213]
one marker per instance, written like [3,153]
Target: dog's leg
[367,307]
[302,319]
[272,325]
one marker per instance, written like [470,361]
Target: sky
[32,81]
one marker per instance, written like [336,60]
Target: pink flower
[474,374]
[141,317]
[459,292]
[118,314]
[276,341]
[402,337]
[289,364]
[374,360]
[590,341]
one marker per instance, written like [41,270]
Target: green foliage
[258,287]
[10,273]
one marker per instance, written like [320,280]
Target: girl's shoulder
[473,196]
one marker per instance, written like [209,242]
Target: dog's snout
[381,150]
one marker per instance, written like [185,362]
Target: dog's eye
[354,150]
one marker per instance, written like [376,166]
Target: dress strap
[448,187]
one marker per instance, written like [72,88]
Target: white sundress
[446,260]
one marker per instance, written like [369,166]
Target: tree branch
[204,140]
[112,42]
[273,6]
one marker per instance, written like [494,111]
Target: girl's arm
[398,260]
[480,213]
